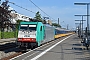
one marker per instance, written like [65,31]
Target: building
[17,16]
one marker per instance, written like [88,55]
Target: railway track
[7,46]
[11,49]
[44,45]
[11,56]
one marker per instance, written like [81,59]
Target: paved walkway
[7,40]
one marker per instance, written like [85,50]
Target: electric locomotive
[33,34]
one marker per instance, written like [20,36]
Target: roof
[30,22]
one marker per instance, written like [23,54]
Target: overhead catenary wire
[40,9]
[21,7]
[30,10]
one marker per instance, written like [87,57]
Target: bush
[0,34]
[9,34]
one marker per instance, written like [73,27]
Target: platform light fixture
[82,21]
[87,12]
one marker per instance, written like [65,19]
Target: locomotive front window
[32,27]
[23,27]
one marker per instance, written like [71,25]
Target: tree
[4,13]
[38,16]
[4,17]
[18,23]
[55,24]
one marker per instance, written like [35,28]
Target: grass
[0,34]
[8,34]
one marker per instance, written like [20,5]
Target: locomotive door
[41,32]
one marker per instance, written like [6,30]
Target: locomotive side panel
[40,33]
[49,34]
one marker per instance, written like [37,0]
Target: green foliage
[0,34]
[55,24]
[18,21]
[9,34]
[17,25]
[44,21]
[38,16]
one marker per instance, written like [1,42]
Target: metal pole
[80,29]
[58,21]
[67,26]
[82,25]
[87,19]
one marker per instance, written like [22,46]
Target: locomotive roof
[35,23]
[30,22]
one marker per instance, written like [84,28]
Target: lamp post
[81,30]
[82,21]
[87,13]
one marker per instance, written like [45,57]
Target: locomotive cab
[30,34]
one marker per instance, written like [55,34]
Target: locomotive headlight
[19,39]
[32,39]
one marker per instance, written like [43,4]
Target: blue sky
[63,9]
